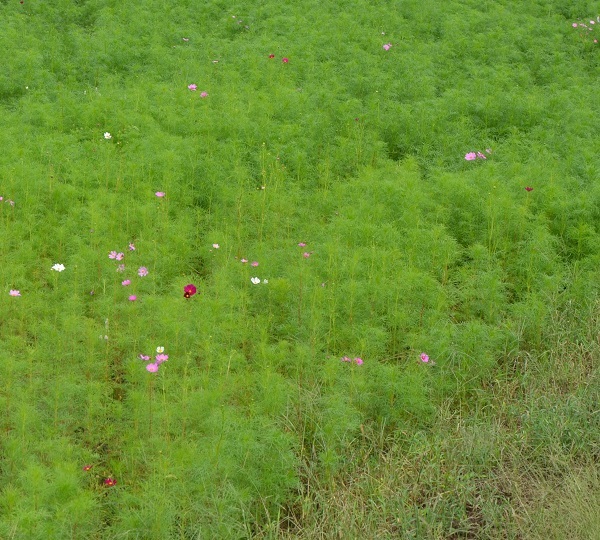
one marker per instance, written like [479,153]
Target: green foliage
[355,151]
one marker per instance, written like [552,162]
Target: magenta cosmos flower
[160,194]
[126,282]
[528,188]
[110,481]
[132,298]
[359,361]
[387,46]
[285,60]
[192,87]
[160,358]
[424,358]
[189,290]
[152,368]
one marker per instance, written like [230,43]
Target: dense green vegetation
[411,178]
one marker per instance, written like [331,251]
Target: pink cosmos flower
[481,156]
[131,246]
[160,194]
[121,268]
[424,358]
[244,261]
[359,361]
[387,46]
[574,25]
[254,263]
[14,292]
[152,368]
[120,256]
[192,87]
[470,156]
[142,271]
[301,244]
[189,290]
[285,60]
[87,467]
[306,254]
[160,358]
[345,359]
[126,282]
[132,298]
[203,94]
[112,255]
[216,246]
[144,357]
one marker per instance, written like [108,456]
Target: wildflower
[271,56]
[359,361]
[112,255]
[144,357]
[301,244]
[481,156]
[12,203]
[14,292]
[160,358]
[132,298]
[255,280]
[160,349]
[126,282]
[424,358]
[142,271]
[345,359]
[488,150]
[244,261]
[528,188]
[152,368]
[87,467]
[254,263]
[189,290]
[387,46]
[185,39]
[110,481]
[216,246]
[285,60]
[107,135]
[470,156]
[265,281]
[203,94]
[192,87]
[131,246]
[120,256]
[58,267]
[306,254]
[160,194]
[121,268]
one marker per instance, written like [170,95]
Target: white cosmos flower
[255,280]
[160,349]
[107,135]
[58,267]
[265,281]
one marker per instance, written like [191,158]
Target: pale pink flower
[306,254]
[152,368]
[112,255]
[216,246]
[470,156]
[160,358]
[142,271]
[574,25]
[203,94]
[387,46]
[120,256]
[346,359]
[131,246]
[192,87]
[481,156]
[254,263]
[14,292]
[160,194]
[121,268]
[133,298]
[144,357]
[244,261]
[126,282]
[301,244]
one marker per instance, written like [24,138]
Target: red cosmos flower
[271,56]
[87,467]
[285,60]
[189,290]
[110,481]
[528,188]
